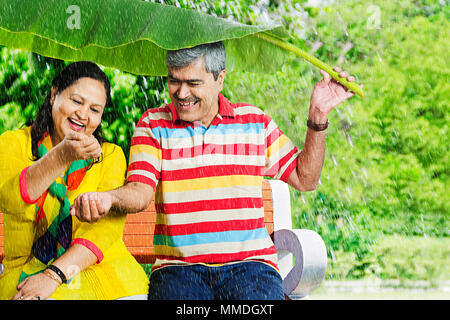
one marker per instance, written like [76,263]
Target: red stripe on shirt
[273,136]
[211,171]
[145,140]
[209,205]
[212,226]
[272,171]
[144,165]
[142,179]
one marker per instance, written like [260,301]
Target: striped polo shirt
[208,181]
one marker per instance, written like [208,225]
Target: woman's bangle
[52,276]
[58,272]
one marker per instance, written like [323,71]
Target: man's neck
[212,115]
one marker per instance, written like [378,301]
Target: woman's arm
[41,286]
[76,259]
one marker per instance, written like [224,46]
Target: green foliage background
[387,164]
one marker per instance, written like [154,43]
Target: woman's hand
[77,146]
[37,287]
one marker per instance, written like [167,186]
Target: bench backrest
[140,227]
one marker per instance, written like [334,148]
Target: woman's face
[78,108]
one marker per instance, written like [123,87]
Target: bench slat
[139,228]
[139,240]
[142,217]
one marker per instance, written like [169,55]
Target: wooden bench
[307,246]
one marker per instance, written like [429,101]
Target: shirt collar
[226,109]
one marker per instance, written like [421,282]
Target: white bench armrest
[306,245]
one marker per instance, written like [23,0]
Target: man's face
[194,92]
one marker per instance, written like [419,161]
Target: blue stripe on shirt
[210,237]
[232,128]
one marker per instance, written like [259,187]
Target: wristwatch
[316,126]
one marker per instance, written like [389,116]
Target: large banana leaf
[134,35]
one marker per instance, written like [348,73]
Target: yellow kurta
[117,275]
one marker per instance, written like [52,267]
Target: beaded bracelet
[58,272]
[52,276]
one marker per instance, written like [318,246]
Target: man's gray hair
[213,53]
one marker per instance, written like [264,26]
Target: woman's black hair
[74,71]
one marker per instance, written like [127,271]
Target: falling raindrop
[349,139]
[144,81]
[334,160]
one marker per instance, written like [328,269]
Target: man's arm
[309,162]
[327,95]
[133,197]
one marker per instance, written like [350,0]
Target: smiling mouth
[75,125]
[187,105]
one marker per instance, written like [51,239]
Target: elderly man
[204,159]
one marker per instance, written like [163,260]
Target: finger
[349,94]
[21,284]
[77,136]
[91,140]
[351,79]
[93,208]
[29,296]
[343,74]
[85,209]
[326,77]
[74,208]
[92,151]
[92,155]
[337,85]
[17,296]
[337,69]
[90,148]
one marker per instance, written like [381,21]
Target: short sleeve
[281,153]
[145,154]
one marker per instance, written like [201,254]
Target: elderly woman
[43,168]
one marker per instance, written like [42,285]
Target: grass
[355,290]
[396,257]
